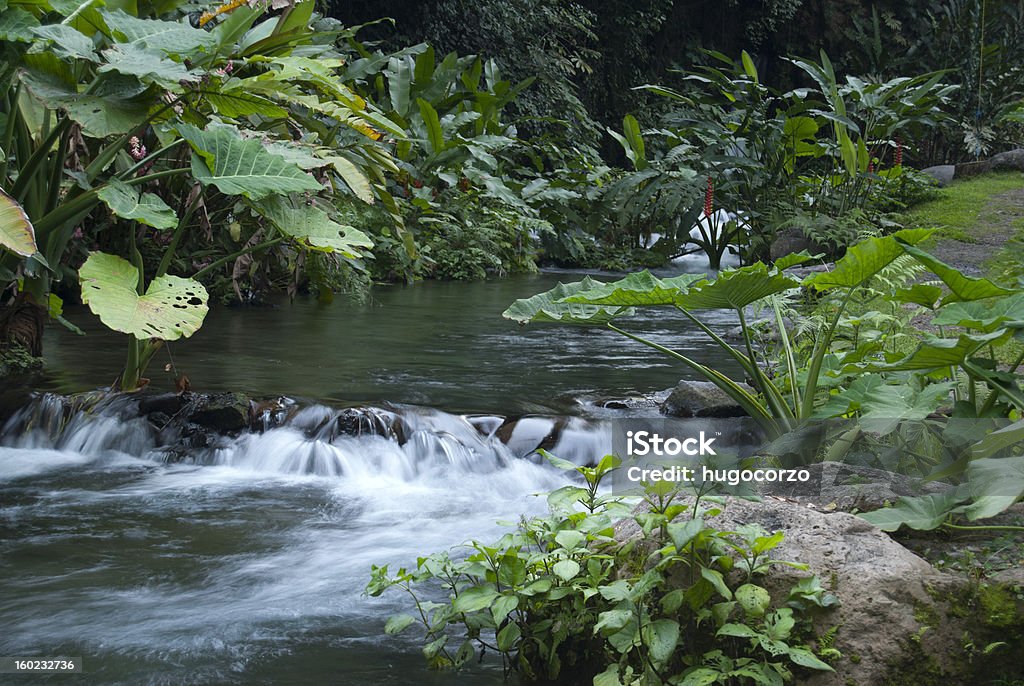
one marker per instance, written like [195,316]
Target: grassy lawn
[987,210]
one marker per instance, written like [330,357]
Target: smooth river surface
[250,568]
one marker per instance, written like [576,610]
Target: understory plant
[933,406]
[564,598]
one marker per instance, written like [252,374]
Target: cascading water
[244,561]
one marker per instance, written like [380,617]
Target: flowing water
[246,563]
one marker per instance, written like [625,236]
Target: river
[249,568]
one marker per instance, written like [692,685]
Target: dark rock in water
[372,421]
[486,424]
[701,399]
[168,404]
[226,412]
[943,173]
[526,435]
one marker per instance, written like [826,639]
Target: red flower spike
[709,198]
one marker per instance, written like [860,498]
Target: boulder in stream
[691,399]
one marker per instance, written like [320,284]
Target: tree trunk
[21,323]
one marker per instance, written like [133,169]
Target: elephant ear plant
[135,126]
[831,372]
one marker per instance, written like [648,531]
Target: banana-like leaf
[639,288]
[314,226]
[171,308]
[132,59]
[986,315]
[237,103]
[16,232]
[995,483]
[353,177]
[866,259]
[735,289]
[238,166]
[127,203]
[435,136]
[934,352]
[551,306]
[169,37]
[962,287]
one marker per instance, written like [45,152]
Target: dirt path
[1000,220]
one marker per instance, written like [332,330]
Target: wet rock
[943,173]
[372,421]
[223,412]
[166,403]
[701,399]
[787,242]
[898,614]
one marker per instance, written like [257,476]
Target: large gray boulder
[900,621]
[701,399]
[1009,160]
[943,173]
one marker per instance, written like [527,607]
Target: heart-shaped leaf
[171,308]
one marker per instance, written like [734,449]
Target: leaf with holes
[315,227]
[16,232]
[171,308]
[127,203]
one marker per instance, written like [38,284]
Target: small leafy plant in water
[562,597]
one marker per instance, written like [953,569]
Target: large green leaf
[435,136]
[962,287]
[866,259]
[550,306]
[922,513]
[882,404]
[983,315]
[999,440]
[237,103]
[172,307]
[127,203]
[314,226]
[995,483]
[639,288]
[16,232]
[238,166]
[934,352]
[16,25]
[135,60]
[173,38]
[66,42]
[100,114]
[736,288]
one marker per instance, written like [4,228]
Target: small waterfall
[284,437]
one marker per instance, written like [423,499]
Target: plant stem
[982,527]
[236,255]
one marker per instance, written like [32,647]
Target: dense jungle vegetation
[160,159]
